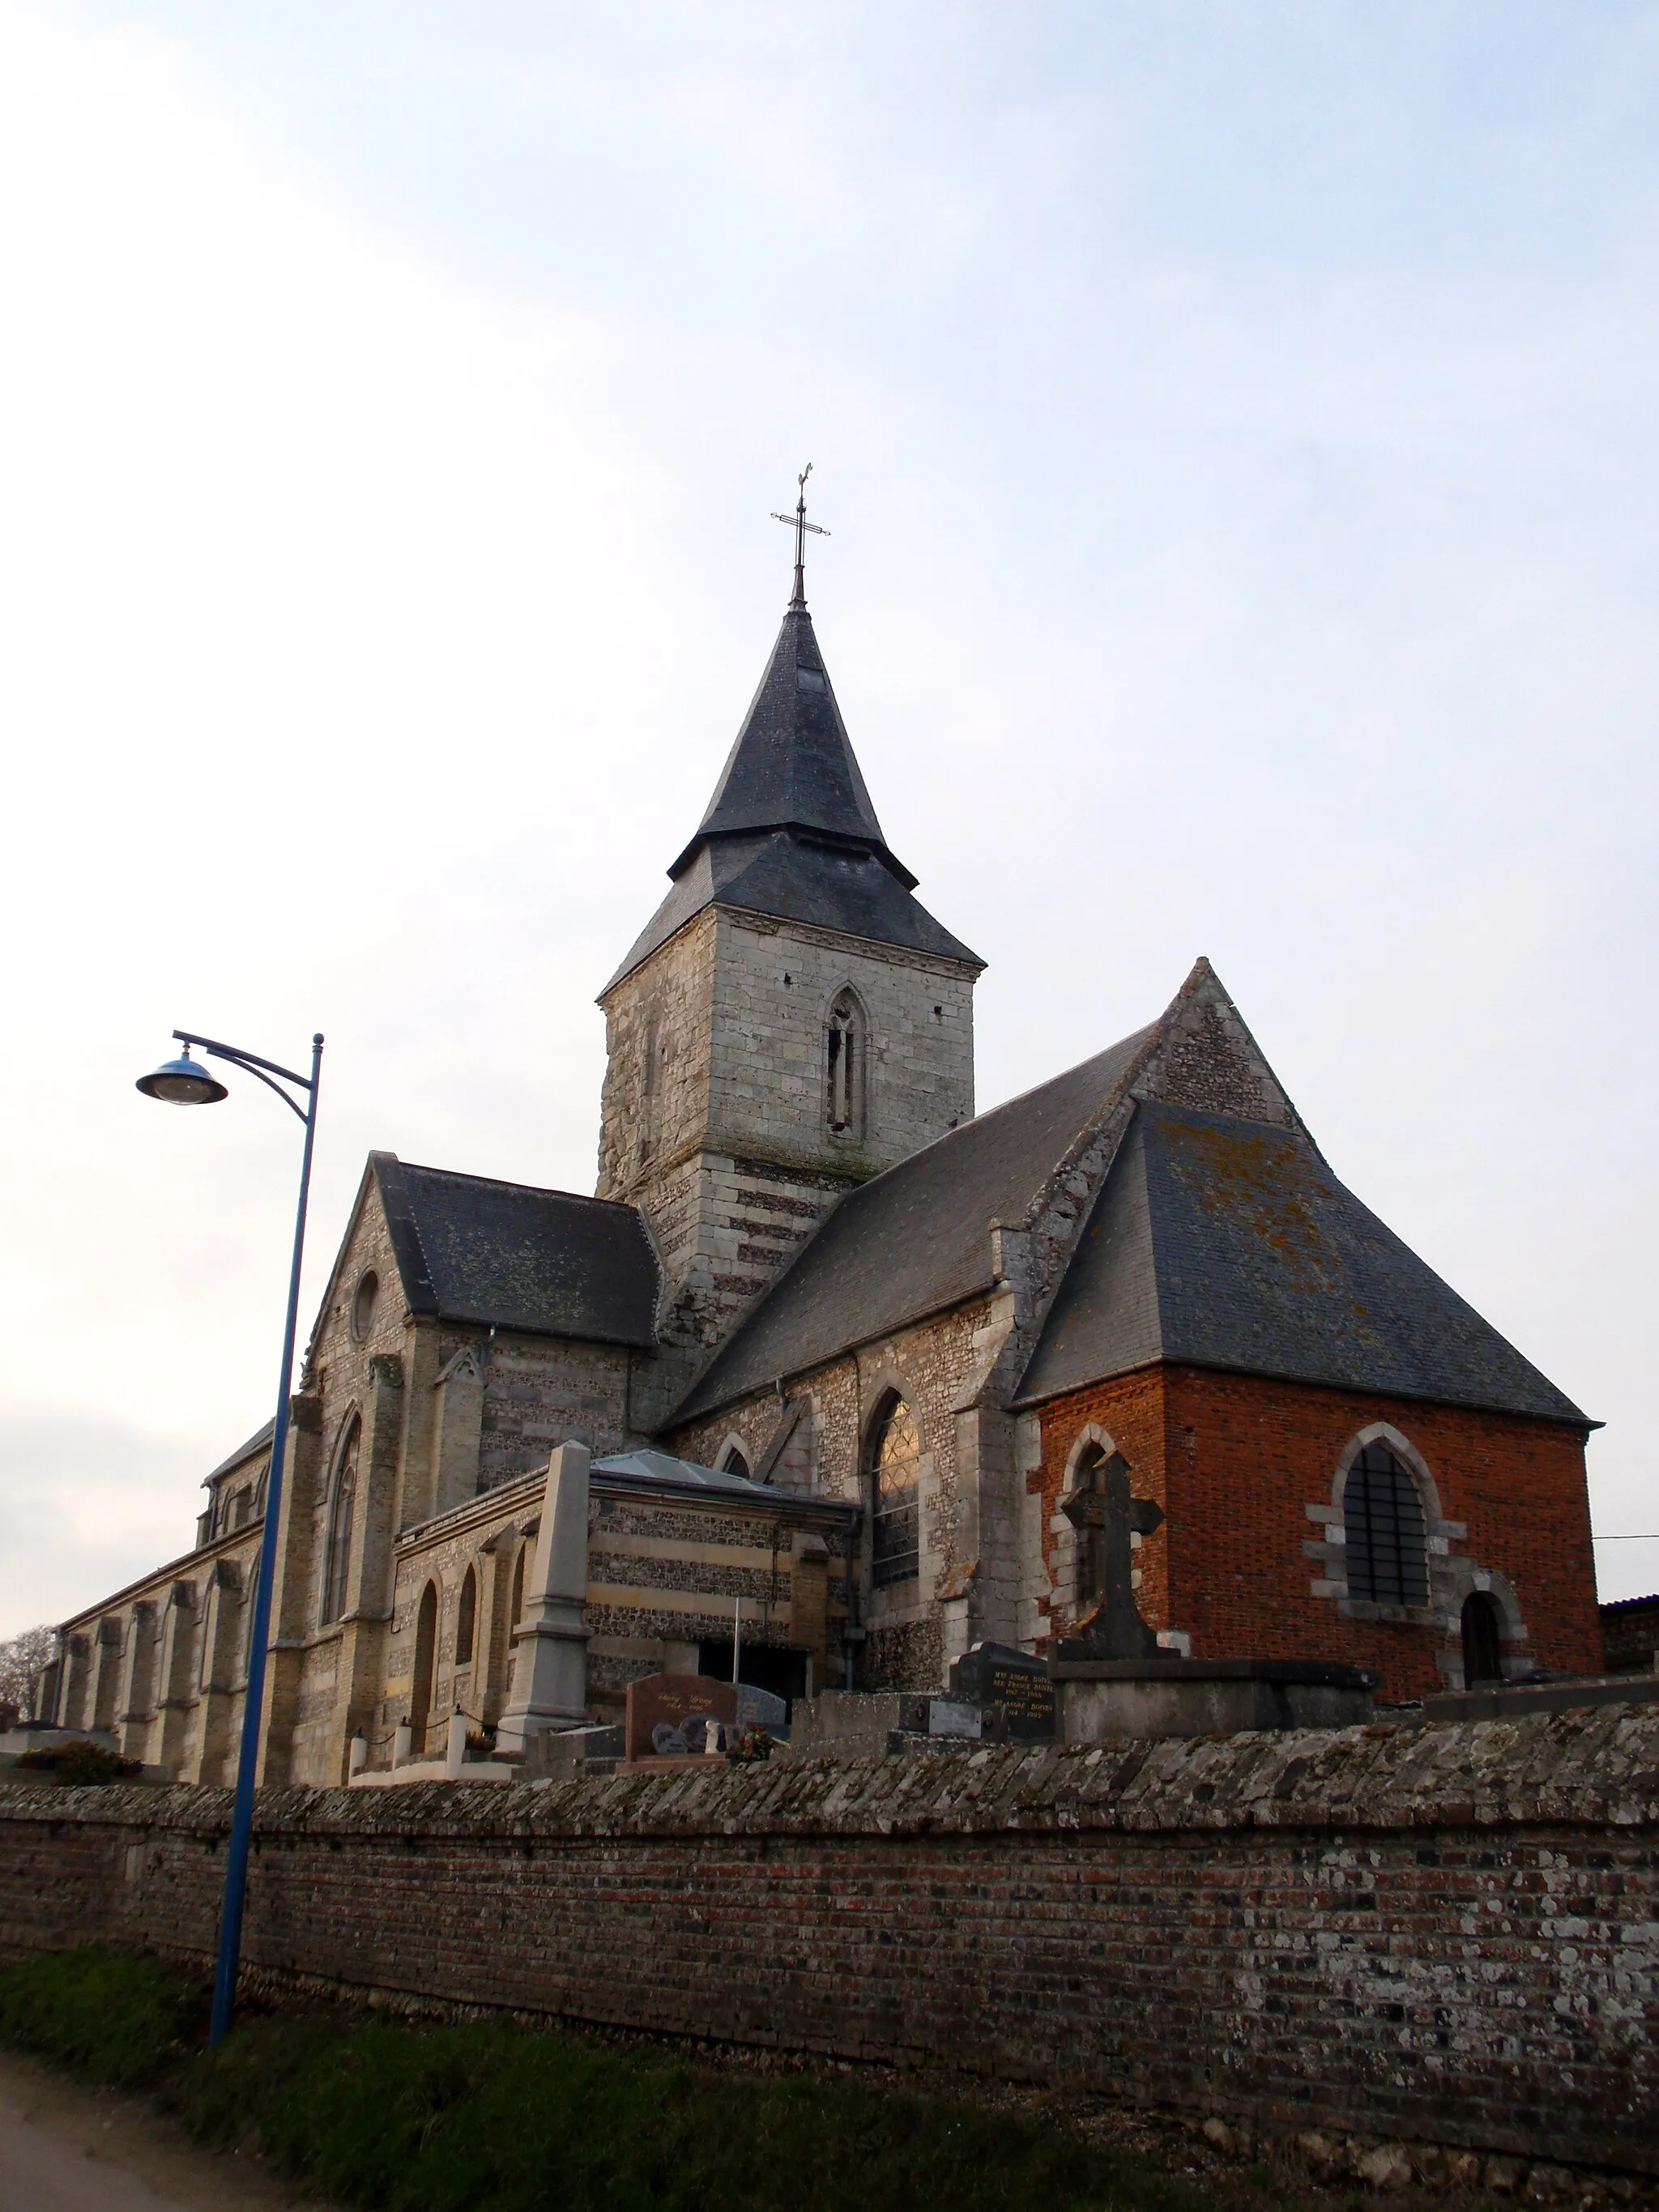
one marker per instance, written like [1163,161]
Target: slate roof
[790,830]
[914,1240]
[1230,1245]
[792,763]
[650,1469]
[506,1254]
[259,1441]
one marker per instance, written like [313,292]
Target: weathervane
[800,525]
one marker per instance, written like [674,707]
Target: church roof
[915,1239]
[792,765]
[258,1442]
[508,1255]
[791,830]
[1230,1245]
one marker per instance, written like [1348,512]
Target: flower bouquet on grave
[752,1748]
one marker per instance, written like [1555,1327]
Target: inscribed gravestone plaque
[1013,1683]
[666,1701]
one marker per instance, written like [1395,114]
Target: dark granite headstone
[1009,1684]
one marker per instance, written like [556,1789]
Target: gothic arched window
[895,1464]
[845,1059]
[426,1640]
[1481,1624]
[341,1511]
[466,1618]
[734,1462]
[1382,1514]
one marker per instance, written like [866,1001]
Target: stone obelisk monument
[549,1669]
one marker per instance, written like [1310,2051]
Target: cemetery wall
[1447,1933]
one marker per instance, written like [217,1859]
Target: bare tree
[21,1658]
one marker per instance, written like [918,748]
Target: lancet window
[895,1465]
[846,1045]
[1385,1548]
[342,1513]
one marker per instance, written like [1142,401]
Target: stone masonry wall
[1448,1934]
[927,1366]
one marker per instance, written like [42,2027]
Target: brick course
[1448,1933]
[1236,1460]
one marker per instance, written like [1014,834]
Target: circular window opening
[362,1305]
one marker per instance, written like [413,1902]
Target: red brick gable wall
[1234,1461]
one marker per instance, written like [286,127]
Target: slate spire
[793,766]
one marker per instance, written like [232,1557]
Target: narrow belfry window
[343,1506]
[466,1616]
[845,1061]
[1388,1557]
[1482,1658]
[895,1454]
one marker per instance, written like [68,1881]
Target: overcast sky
[1236,425]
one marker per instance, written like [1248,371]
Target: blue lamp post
[185,1082]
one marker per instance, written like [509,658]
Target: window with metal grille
[1388,1555]
[895,1456]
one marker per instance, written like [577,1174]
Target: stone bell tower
[791,1022]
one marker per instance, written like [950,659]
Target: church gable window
[1385,1545]
[362,1305]
[895,1465]
[341,1511]
[846,1046]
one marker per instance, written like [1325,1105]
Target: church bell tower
[791,1022]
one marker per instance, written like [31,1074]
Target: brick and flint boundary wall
[1445,1933]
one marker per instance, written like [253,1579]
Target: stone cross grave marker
[1103,1505]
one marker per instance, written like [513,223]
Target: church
[847,1355]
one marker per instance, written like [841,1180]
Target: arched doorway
[1483,1624]
[420,1688]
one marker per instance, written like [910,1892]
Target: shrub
[79,1762]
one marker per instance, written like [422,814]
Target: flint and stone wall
[1442,1933]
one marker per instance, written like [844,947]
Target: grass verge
[496,2120]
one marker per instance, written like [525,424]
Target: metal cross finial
[800,525]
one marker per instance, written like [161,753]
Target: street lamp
[185,1082]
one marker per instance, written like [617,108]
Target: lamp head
[183,1082]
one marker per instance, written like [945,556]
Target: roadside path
[65,2147]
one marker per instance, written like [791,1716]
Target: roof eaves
[1575,1420]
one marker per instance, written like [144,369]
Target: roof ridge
[504,1182]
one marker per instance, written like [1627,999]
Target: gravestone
[949,1716]
[659,1704]
[759,1709]
[1012,1688]
[1102,1506]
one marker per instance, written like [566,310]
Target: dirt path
[67,2149]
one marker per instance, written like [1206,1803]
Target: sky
[1234,425]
